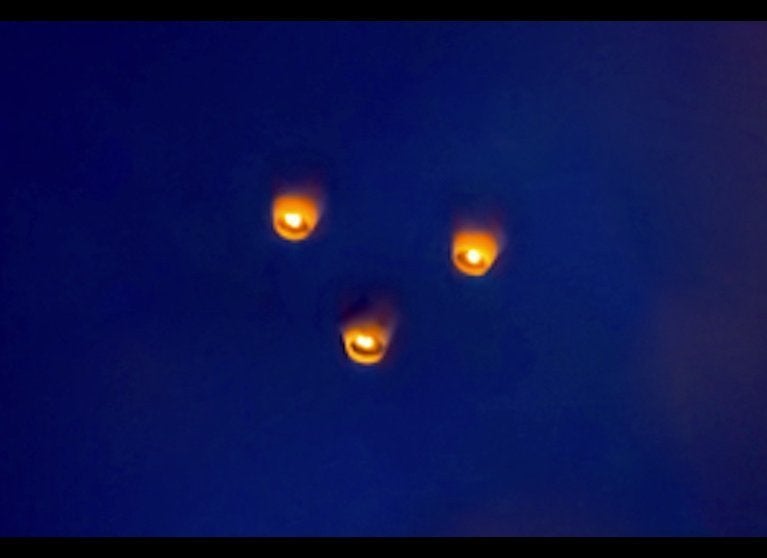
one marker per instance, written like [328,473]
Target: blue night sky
[170,367]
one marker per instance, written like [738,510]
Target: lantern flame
[473,256]
[293,220]
[364,342]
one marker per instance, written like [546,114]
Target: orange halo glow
[295,216]
[475,251]
[366,341]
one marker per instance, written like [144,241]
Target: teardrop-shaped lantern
[366,342]
[367,331]
[475,250]
[295,215]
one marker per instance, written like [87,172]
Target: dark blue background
[170,368]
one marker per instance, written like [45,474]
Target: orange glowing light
[366,341]
[295,216]
[475,251]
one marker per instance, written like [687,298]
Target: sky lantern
[295,215]
[366,336]
[366,342]
[475,250]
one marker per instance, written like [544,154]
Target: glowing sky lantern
[475,250]
[295,215]
[366,337]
